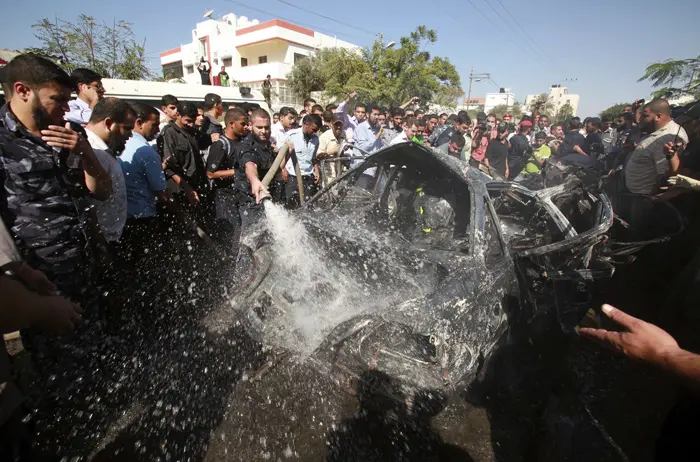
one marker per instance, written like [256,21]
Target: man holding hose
[255,159]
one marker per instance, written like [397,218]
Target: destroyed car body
[426,263]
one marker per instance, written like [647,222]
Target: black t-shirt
[181,148]
[520,147]
[252,150]
[497,154]
[572,138]
[593,145]
[222,156]
[690,156]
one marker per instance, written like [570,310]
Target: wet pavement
[187,394]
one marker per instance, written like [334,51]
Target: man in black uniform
[254,162]
[520,149]
[221,166]
[184,166]
[497,153]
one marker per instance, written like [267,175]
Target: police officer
[256,158]
[221,169]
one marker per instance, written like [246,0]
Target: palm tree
[542,104]
[674,71]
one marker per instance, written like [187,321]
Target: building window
[189,69]
[173,70]
[228,62]
[244,62]
[262,59]
[298,57]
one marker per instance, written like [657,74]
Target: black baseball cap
[690,112]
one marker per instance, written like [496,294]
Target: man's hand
[684,182]
[290,146]
[640,340]
[671,148]
[35,280]
[61,137]
[380,132]
[259,191]
[192,196]
[215,137]
[56,315]
[352,95]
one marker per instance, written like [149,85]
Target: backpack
[160,143]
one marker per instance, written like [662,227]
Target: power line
[543,55]
[525,32]
[330,19]
[503,34]
[294,20]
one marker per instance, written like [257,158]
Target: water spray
[277,164]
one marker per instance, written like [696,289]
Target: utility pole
[469,93]
[478,78]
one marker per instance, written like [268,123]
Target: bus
[151,92]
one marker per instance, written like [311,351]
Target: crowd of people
[103,199]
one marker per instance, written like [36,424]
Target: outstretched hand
[685,182]
[639,340]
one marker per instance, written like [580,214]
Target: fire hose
[277,164]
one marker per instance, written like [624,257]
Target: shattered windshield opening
[427,207]
[525,222]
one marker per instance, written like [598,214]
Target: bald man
[650,162]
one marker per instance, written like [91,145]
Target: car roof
[429,160]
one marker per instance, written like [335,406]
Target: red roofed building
[250,50]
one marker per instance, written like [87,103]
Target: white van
[152,92]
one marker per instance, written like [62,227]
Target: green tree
[307,75]
[388,77]
[674,77]
[564,113]
[614,110]
[516,110]
[542,104]
[110,50]
[447,96]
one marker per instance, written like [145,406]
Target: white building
[506,97]
[473,103]
[559,96]
[250,50]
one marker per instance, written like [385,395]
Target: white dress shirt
[111,213]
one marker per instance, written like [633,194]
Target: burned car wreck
[417,267]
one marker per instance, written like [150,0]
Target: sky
[598,49]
